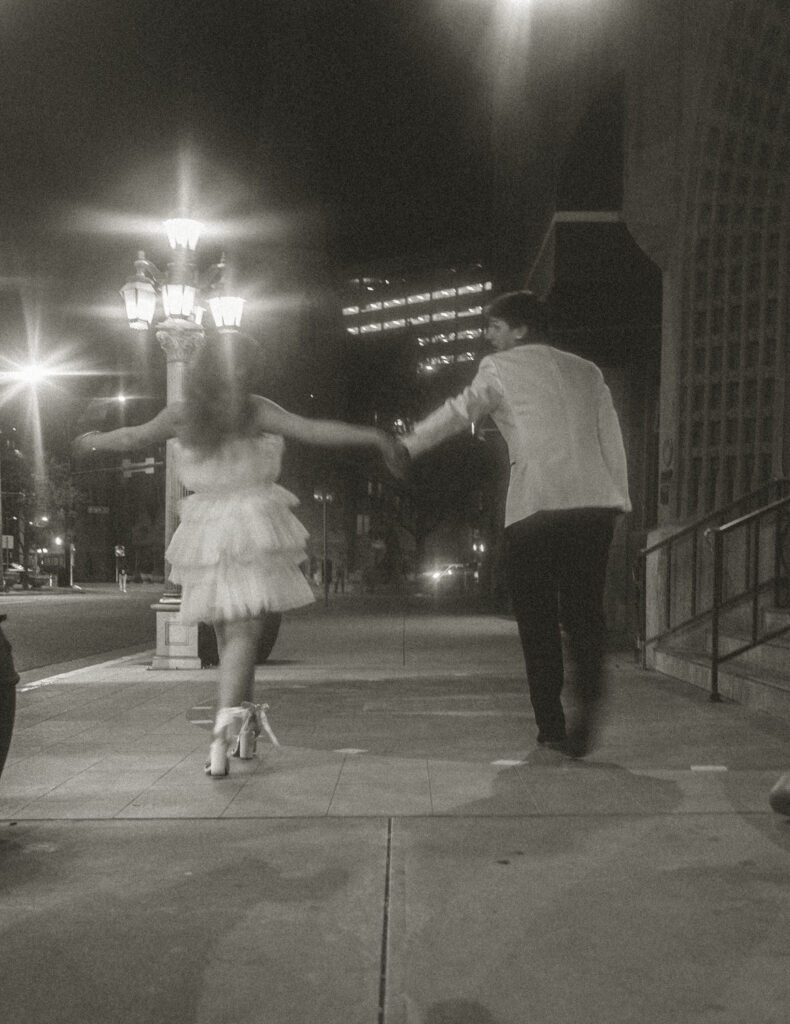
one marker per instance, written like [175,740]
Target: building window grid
[751,326]
[464,306]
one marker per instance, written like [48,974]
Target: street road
[55,631]
[51,631]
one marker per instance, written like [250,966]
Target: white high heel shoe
[252,724]
[224,739]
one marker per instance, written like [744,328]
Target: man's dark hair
[520,309]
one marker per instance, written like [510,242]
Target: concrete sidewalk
[407,855]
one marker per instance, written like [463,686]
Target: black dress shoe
[579,741]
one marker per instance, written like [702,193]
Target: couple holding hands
[238,548]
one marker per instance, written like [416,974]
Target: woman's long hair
[218,394]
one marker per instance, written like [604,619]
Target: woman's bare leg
[237,642]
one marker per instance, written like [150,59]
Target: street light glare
[33,373]
[29,375]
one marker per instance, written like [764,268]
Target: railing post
[668,580]
[718,575]
[781,567]
[756,581]
[643,610]
[694,571]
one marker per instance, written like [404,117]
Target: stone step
[759,689]
[739,619]
[773,654]
[776,618]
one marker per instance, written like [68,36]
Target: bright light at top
[183,233]
[31,374]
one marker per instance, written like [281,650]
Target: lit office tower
[439,311]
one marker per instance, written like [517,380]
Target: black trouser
[556,569]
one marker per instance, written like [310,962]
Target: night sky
[371,115]
[352,129]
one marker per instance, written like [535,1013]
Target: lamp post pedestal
[176,642]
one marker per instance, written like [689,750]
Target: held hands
[396,456]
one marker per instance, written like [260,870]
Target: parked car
[15,575]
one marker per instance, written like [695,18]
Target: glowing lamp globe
[226,311]
[139,295]
[183,233]
[178,300]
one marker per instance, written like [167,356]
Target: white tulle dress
[237,549]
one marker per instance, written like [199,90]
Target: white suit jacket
[555,412]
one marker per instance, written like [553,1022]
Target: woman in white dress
[238,548]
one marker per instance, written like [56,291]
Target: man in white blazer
[568,482]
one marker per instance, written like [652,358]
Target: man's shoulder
[540,362]
[573,362]
[520,355]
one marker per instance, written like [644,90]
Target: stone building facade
[705,176]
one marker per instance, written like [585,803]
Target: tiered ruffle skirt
[238,554]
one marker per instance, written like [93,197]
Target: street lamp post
[181,335]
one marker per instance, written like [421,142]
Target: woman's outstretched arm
[273,419]
[126,439]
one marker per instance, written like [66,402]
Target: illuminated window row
[446,337]
[413,300]
[435,363]
[415,321]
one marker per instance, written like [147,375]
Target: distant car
[455,577]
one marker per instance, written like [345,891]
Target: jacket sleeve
[611,441]
[457,414]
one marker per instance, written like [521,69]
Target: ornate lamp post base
[176,641]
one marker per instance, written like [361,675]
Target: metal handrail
[751,523]
[701,528]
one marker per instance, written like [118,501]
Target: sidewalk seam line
[328,812]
